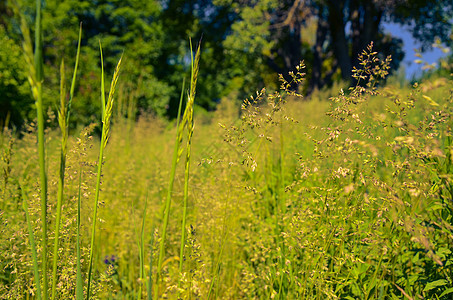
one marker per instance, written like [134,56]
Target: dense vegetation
[345,195]
[246,44]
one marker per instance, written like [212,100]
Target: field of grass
[343,197]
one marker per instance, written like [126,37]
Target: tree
[426,19]
[15,95]
[129,26]
[5,13]
[275,30]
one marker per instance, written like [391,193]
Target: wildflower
[110,260]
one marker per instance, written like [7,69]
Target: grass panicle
[34,59]
[354,202]
[63,120]
[188,116]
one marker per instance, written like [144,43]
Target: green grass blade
[98,177]
[63,150]
[150,279]
[41,143]
[102,82]
[38,43]
[34,255]
[34,60]
[107,114]
[142,248]
[190,125]
[74,75]
[63,118]
[166,211]
[140,239]
[79,282]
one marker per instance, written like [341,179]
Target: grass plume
[107,110]
[188,116]
[63,121]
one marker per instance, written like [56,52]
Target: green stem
[32,244]
[106,117]
[79,282]
[150,281]
[140,238]
[186,185]
[58,221]
[142,249]
[184,214]
[96,203]
[63,127]
[169,193]
[41,142]
[98,178]
[63,119]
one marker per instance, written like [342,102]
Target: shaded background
[246,44]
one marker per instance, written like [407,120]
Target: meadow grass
[63,120]
[107,111]
[323,241]
[288,199]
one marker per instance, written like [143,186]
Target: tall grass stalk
[36,79]
[166,210]
[188,116]
[142,250]
[63,120]
[79,282]
[150,275]
[140,238]
[34,60]
[225,229]
[31,237]
[107,110]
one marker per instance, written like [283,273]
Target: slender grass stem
[166,212]
[142,249]
[106,117]
[79,282]
[63,119]
[93,229]
[140,239]
[150,275]
[190,126]
[225,229]
[41,143]
[64,138]
[32,244]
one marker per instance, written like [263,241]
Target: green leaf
[443,253]
[446,292]
[394,297]
[435,206]
[430,101]
[435,284]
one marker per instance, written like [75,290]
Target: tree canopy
[246,44]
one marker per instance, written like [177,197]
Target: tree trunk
[340,43]
[365,18]
[316,81]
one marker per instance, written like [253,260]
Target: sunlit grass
[340,198]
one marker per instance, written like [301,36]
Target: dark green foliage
[246,44]
[15,95]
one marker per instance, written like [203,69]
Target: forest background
[246,44]
[346,195]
